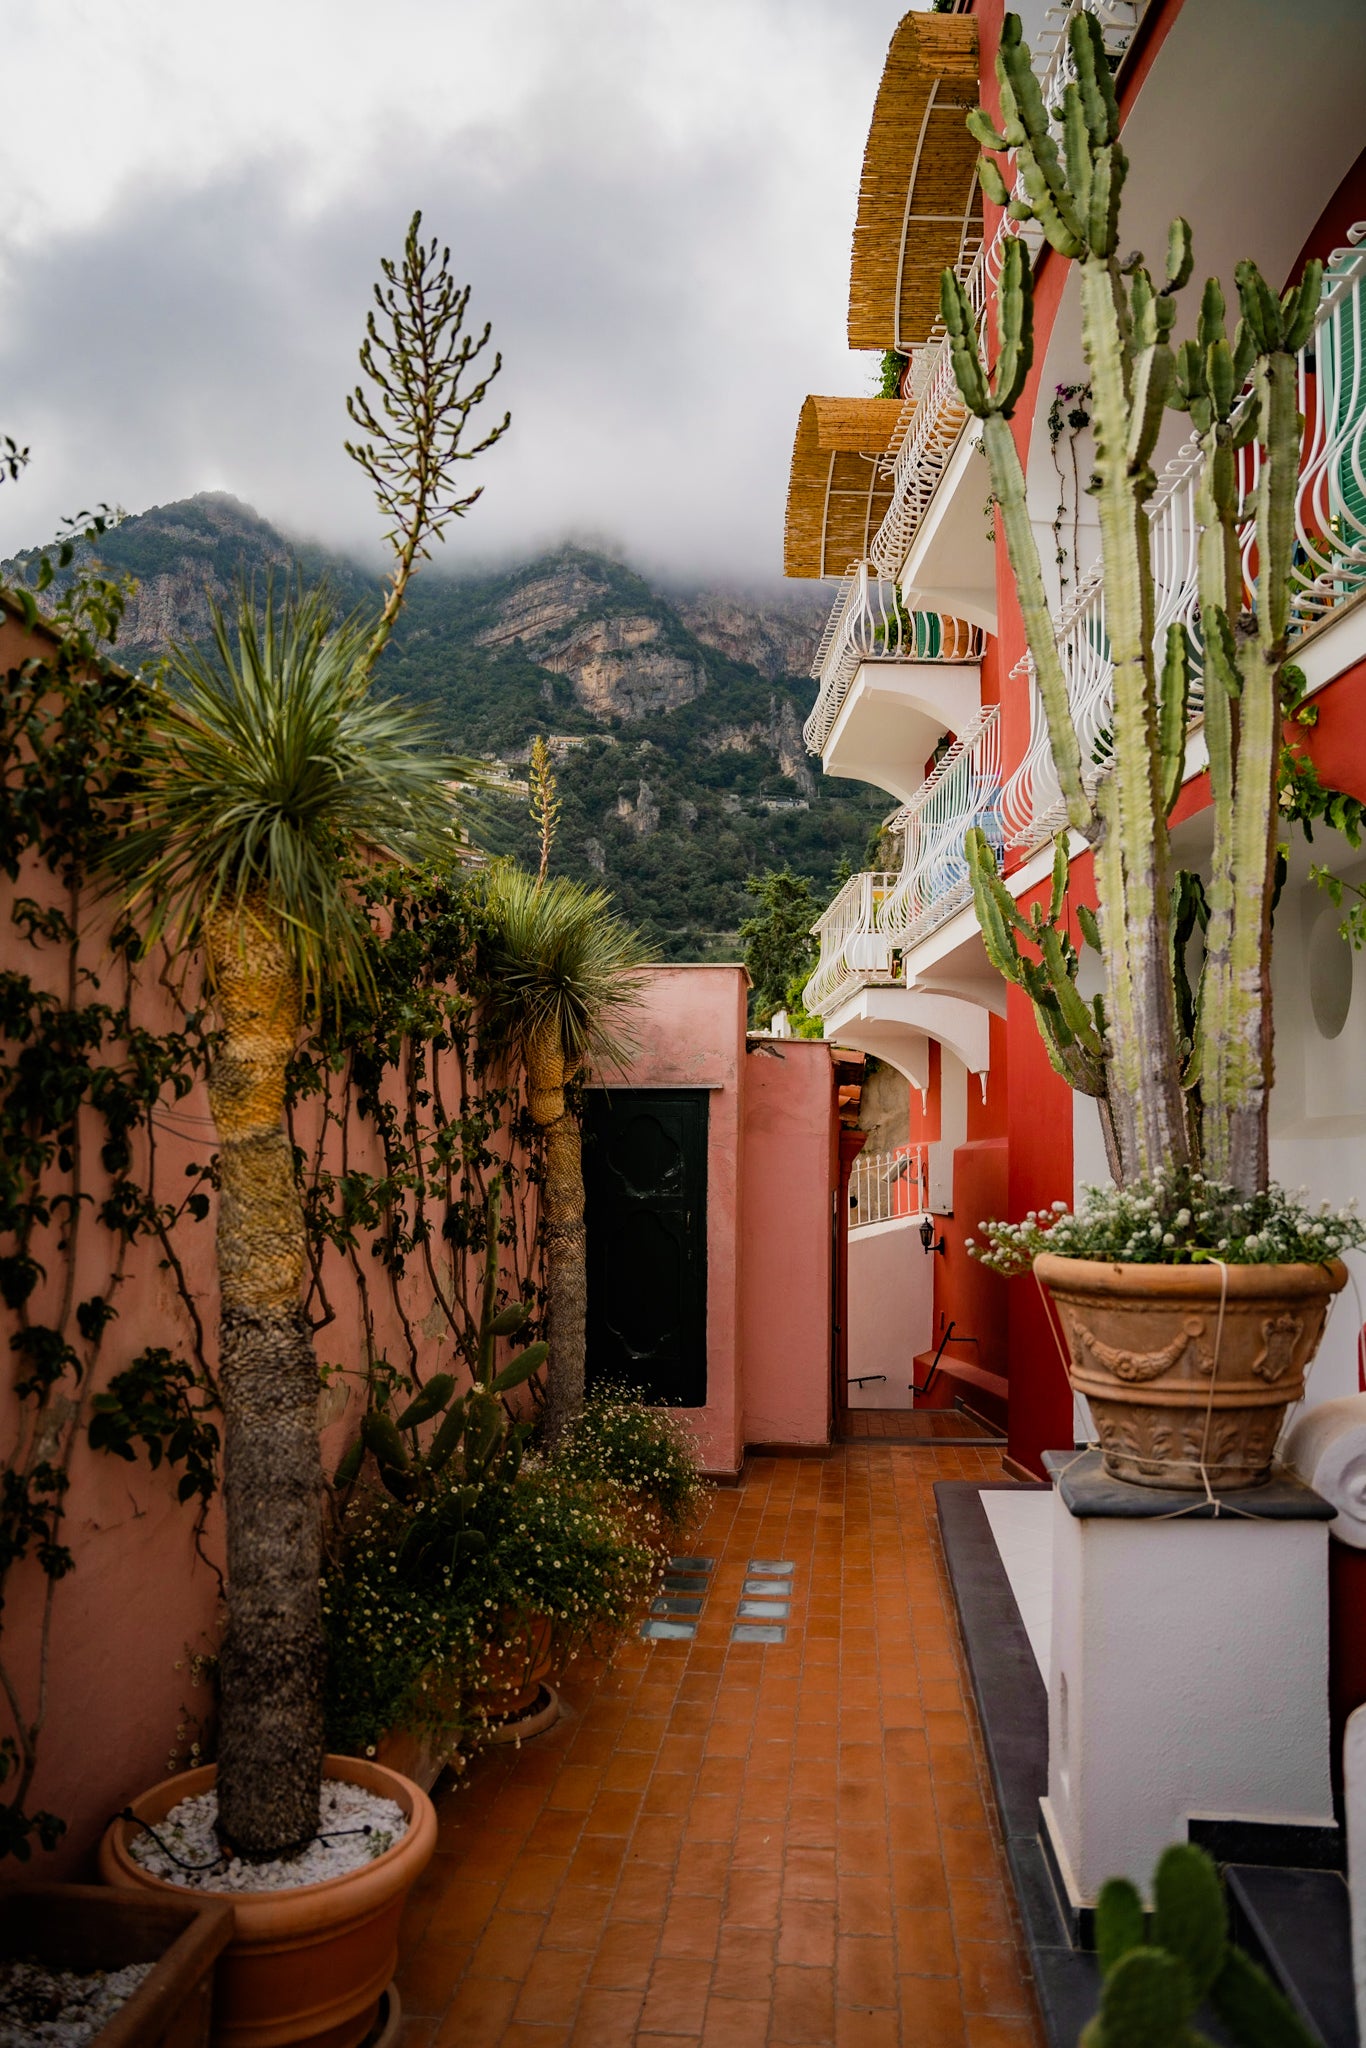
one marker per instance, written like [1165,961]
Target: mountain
[674,717]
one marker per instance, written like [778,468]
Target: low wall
[891,1310]
[786,1242]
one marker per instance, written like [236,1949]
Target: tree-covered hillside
[674,718]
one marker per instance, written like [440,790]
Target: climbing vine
[401,1112]
[1069,415]
[82,1081]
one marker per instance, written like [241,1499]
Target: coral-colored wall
[786,1242]
[690,1033]
[138,1602]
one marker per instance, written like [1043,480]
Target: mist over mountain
[674,716]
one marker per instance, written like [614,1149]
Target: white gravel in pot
[46,2008]
[354,1826]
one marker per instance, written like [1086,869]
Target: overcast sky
[652,200]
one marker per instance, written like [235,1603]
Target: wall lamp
[927,1237]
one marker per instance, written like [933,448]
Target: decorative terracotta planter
[83,1927]
[306,1965]
[1170,1389]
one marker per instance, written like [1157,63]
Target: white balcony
[853,950]
[1330,553]
[887,1185]
[891,683]
[964,791]
[864,986]
[940,553]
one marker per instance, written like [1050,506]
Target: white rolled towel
[1327,1448]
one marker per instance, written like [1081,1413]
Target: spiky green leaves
[560,957]
[269,771]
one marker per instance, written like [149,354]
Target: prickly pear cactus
[1156,1977]
[1172,1097]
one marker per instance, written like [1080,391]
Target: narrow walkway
[740,1845]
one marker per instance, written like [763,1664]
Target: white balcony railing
[869,623]
[1330,551]
[854,953]
[1119,21]
[964,790]
[885,1185]
[877,918]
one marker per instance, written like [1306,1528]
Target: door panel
[645,1183]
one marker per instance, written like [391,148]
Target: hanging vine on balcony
[1070,415]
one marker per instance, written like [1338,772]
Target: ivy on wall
[400,1110]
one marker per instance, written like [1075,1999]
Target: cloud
[653,207]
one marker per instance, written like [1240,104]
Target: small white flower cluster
[1182,1219]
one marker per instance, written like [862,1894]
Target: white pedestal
[1189,1670]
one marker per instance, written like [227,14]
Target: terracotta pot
[511,1679]
[1171,1391]
[306,1965]
[81,1927]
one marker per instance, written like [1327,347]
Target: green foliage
[713,765]
[559,960]
[1154,1981]
[161,1402]
[892,367]
[778,948]
[269,773]
[1181,1219]
[648,1451]
[77,1065]
[1180,1083]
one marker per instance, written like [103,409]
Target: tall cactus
[1070,185]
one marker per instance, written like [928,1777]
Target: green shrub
[648,1451]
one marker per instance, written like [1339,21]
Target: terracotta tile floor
[736,1845]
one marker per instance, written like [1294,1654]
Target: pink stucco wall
[786,1249]
[689,1032]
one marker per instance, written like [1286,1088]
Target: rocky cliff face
[675,720]
[778,640]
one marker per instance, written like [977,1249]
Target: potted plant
[411,1632]
[1195,1294]
[270,775]
[471,1570]
[69,1941]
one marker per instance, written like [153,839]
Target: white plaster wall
[1318,1105]
[891,1307]
[1189,1676]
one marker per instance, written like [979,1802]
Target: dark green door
[645,1180]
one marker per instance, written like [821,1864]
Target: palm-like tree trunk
[271,1717]
[566,1267]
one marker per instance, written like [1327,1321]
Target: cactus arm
[1008,482]
[1140,999]
[1250,1049]
[1173,712]
[992,406]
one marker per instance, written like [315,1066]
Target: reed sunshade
[919,201]
[837,493]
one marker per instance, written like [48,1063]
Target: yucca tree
[564,969]
[271,772]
